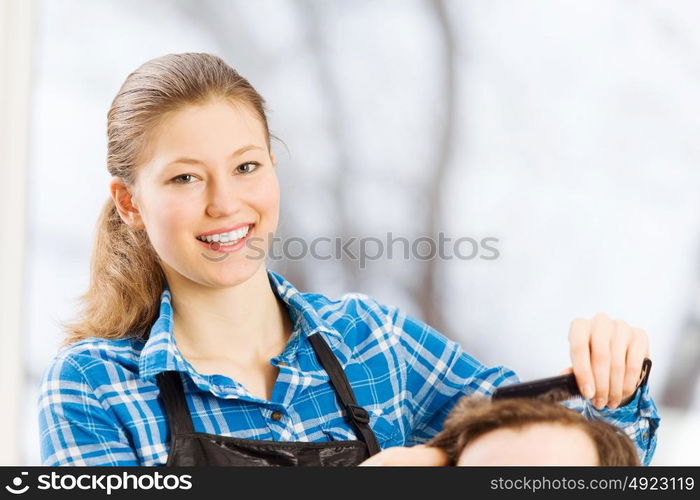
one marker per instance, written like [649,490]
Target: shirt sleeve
[75,429]
[639,419]
[439,373]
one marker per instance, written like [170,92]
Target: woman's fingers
[636,352]
[580,350]
[601,336]
[618,361]
[607,357]
[408,456]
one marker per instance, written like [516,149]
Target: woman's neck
[247,323]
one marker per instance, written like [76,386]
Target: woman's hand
[408,456]
[607,358]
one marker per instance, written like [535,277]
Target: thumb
[408,456]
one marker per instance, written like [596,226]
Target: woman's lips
[217,246]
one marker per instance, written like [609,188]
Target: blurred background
[567,130]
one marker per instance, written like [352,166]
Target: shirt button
[276,415]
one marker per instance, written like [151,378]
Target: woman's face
[208,169]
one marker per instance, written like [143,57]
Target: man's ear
[125,203]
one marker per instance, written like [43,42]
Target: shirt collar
[160,352]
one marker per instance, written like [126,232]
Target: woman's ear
[125,203]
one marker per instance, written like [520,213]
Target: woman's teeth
[231,237]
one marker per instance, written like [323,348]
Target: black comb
[554,389]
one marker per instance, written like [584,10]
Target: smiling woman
[172,94]
[182,357]
[224,193]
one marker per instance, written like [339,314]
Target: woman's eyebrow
[194,161]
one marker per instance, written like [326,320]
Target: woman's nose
[223,198]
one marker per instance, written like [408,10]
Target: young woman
[190,352]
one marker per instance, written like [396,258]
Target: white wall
[15,78]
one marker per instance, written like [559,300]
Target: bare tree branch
[426,291]
[336,123]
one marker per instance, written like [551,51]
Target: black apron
[189,448]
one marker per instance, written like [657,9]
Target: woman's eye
[177,180]
[252,165]
[245,168]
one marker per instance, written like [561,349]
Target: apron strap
[357,414]
[173,395]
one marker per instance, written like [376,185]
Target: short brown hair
[473,417]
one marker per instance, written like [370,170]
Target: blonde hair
[126,277]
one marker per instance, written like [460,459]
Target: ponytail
[126,281]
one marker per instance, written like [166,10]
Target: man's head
[529,432]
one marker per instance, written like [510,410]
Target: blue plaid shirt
[99,400]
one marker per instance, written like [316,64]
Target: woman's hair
[473,417]
[126,277]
